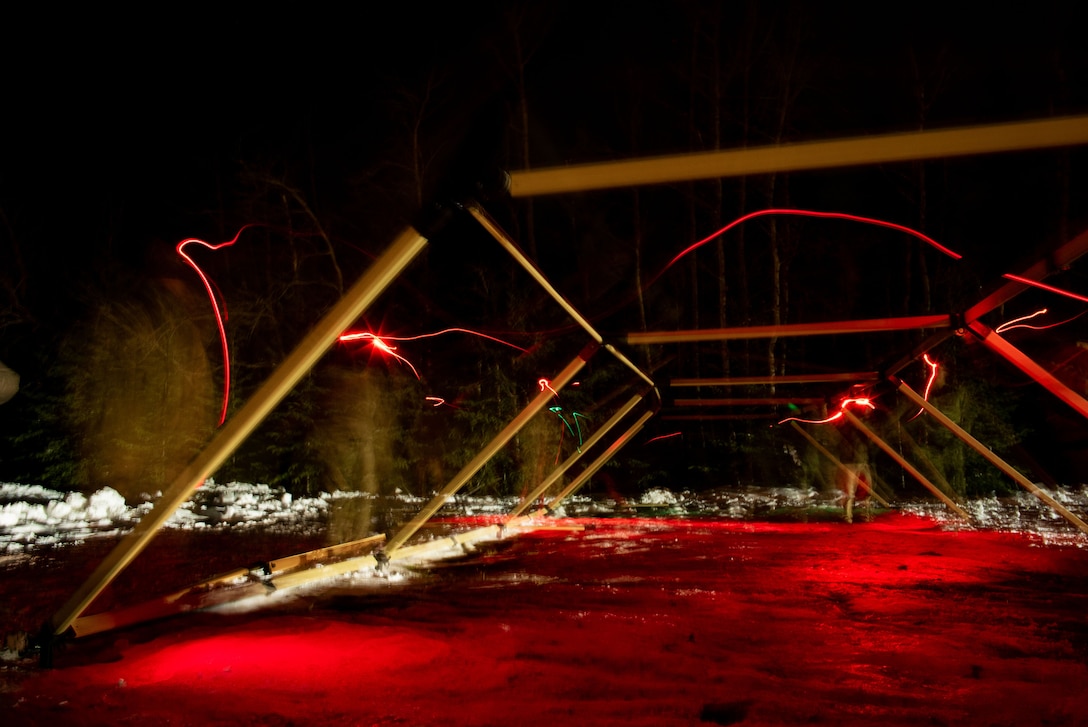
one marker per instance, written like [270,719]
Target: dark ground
[634,622]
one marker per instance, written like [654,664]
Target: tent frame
[1041,134]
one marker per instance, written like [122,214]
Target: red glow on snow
[855,401]
[220,313]
[811,213]
[1044,286]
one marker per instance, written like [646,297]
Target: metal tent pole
[990,456]
[877,325]
[559,471]
[838,463]
[492,227]
[860,425]
[516,424]
[876,149]
[373,282]
[599,462]
[1022,361]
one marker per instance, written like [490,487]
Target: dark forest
[314,136]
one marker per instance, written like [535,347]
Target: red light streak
[546,385]
[811,213]
[933,368]
[438,400]
[220,314]
[1044,286]
[663,436]
[1016,322]
[356,336]
[856,401]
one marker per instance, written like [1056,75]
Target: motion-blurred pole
[876,149]
[868,487]
[491,449]
[990,456]
[323,335]
[492,227]
[829,328]
[561,470]
[860,425]
[601,461]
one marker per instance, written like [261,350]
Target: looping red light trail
[546,385]
[1044,286]
[855,401]
[812,213]
[220,313]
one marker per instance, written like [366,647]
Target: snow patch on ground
[32,516]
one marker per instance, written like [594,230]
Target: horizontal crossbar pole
[837,153]
[837,378]
[873,325]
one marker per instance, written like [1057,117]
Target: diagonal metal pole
[561,470]
[1025,363]
[374,281]
[492,227]
[601,461]
[490,450]
[990,456]
[860,425]
[838,463]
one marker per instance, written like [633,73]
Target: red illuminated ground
[644,622]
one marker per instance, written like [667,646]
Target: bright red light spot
[438,400]
[220,313]
[379,343]
[546,385]
[468,331]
